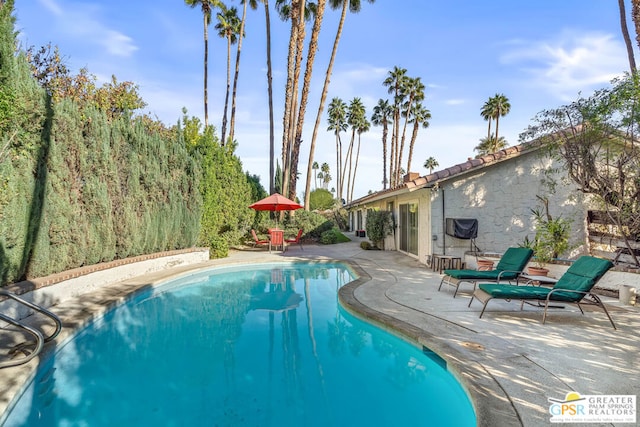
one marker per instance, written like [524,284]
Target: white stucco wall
[501,197]
[421,197]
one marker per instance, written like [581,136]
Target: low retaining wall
[47,291]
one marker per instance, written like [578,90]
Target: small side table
[540,280]
[444,262]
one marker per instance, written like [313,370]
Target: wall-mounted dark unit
[462,228]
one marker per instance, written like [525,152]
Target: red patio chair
[258,242]
[296,239]
[276,238]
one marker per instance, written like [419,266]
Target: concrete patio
[509,362]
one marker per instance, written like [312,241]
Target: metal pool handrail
[40,339]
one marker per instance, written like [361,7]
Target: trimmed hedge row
[76,189]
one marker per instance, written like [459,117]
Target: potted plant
[485,264]
[551,238]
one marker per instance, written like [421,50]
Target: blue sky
[540,55]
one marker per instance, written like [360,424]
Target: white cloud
[570,63]
[52,6]
[84,22]
[118,44]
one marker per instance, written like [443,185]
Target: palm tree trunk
[226,98]
[296,133]
[338,161]
[385,132]
[404,132]
[394,146]
[349,158]
[414,136]
[355,168]
[206,74]
[235,77]
[313,48]
[288,99]
[325,89]
[627,38]
[270,92]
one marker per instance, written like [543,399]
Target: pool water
[264,345]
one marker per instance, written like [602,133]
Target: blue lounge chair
[574,287]
[511,264]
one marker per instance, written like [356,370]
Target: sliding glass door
[409,228]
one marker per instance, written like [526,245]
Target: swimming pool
[262,345]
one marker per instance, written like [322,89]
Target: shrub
[366,246]
[332,236]
[329,237]
[321,199]
[379,225]
[313,223]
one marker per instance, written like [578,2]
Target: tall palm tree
[490,145]
[228,27]
[316,10]
[254,6]
[354,7]
[382,116]
[395,83]
[431,163]
[355,117]
[413,92]
[294,110]
[270,95]
[315,168]
[326,179]
[500,107]
[486,113]
[363,127]
[294,12]
[337,119]
[421,117]
[207,7]
[326,176]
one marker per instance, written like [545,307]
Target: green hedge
[76,189]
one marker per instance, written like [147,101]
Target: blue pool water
[265,345]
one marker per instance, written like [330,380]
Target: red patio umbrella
[275,202]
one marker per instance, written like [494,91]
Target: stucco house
[498,190]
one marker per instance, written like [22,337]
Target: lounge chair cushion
[503,291]
[514,259]
[475,274]
[581,276]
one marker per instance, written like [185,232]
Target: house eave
[441,176]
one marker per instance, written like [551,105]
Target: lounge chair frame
[496,275]
[588,298]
